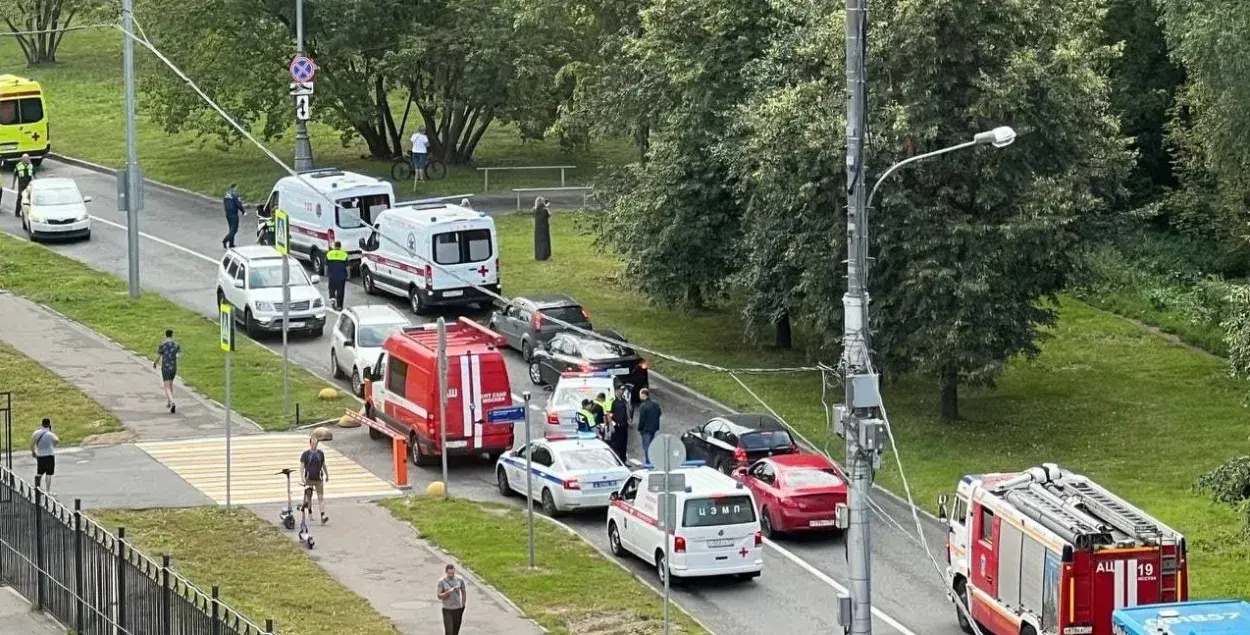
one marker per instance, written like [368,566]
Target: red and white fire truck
[401,391]
[1050,551]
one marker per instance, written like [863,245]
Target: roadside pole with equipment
[226,318]
[282,242]
[529,481]
[442,400]
[671,456]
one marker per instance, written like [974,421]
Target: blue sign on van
[503,415]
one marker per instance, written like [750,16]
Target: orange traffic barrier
[399,446]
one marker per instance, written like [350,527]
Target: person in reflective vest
[336,269]
[23,172]
[585,419]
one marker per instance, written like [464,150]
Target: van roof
[463,336]
[326,180]
[435,213]
[705,481]
[14,86]
[55,183]
[377,314]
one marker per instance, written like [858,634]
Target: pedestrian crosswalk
[255,461]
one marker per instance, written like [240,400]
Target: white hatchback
[357,340]
[54,208]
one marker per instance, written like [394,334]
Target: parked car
[574,352]
[54,208]
[795,492]
[250,279]
[732,441]
[357,340]
[525,327]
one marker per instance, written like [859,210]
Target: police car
[567,398]
[569,472]
[715,529]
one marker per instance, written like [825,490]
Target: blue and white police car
[570,472]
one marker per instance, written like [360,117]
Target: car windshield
[268,276]
[766,440]
[372,335]
[58,196]
[570,397]
[812,477]
[598,349]
[590,459]
[722,510]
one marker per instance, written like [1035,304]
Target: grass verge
[101,302]
[566,594]
[39,392]
[261,572]
[1143,416]
[84,98]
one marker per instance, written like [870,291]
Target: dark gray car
[523,323]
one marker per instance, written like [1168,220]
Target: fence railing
[486,172]
[93,581]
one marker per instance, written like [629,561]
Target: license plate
[721,542]
[618,371]
[603,484]
[820,523]
[295,325]
[453,294]
[457,444]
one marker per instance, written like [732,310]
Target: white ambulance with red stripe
[402,392]
[432,254]
[327,205]
[715,530]
[1050,551]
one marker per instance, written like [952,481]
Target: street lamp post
[303,146]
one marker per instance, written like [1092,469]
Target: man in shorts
[43,448]
[315,477]
[420,154]
[167,356]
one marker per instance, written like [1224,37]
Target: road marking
[820,575]
[158,240]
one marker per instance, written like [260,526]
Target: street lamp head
[999,137]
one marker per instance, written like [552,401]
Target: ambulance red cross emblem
[483,270]
[743,552]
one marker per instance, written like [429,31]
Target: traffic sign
[504,415]
[226,318]
[281,232]
[303,69]
[302,110]
[667,452]
[301,88]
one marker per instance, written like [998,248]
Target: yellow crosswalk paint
[255,461]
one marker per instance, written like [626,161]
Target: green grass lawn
[566,594]
[262,573]
[101,302]
[39,392]
[84,95]
[1107,398]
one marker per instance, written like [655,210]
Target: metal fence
[93,581]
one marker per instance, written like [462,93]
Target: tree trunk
[379,147]
[386,122]
[642,140]
[949,384]
[784,338]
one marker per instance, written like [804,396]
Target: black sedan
[730,441]
[525,325]
[572,352]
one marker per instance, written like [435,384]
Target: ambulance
[1050,551]
[327,205]
[401,391]
[23,120]
[432,254]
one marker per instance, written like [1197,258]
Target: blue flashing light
[582,434]
[690,463]
[689,489]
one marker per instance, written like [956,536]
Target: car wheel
[661,567]
[87,236]
[366,280]
[253,331]
[358,386]
[375,435]
[221,298]
[614,540]
[963,610]
[536,374]
[527,351]
[549,504]
[501,478]
[766,523]
[419,458]
[335,370]
[414,301]
[318,262]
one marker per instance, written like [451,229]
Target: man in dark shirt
[601,415]
[648,421]
[234,209]
[167,356]
[618,424]
[315,477]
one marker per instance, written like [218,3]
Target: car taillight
[790,503]
[642,365]
[572,484]
[740,455]
[679,544]
[759,539]
[538,322]
[330,237]
[496,267]
[586,314]
[587,368]
[553,419]
[429,278]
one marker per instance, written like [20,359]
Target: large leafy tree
[971,246]
[39,26]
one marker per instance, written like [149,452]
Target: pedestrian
[234,209]
[336,269]
[648,421]
[43,448]
[599,409]
[420,155]
[167,356]
[316,475]
[584,417]
[618,423]
[542,229]
[23,172]
[452,593]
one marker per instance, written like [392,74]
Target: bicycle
[401,168]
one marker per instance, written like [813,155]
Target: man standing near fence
[420,155]
[43,448]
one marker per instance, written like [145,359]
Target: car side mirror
[614,496]
[364,243]
[315,279]
[238,284]
[86,199]
[741,471]
[943,513]
[349,342]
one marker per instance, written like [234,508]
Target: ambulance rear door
[465,253]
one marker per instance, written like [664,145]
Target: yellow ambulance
[23,120]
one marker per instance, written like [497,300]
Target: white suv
[250,280]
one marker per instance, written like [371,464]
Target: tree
[38,26]
[971,247]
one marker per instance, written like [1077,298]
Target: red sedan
[795,492]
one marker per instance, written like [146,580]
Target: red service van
[401,391]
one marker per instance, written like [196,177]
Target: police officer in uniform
[336,270]
[23,172]
[585,419]
[234,209]
[600,412]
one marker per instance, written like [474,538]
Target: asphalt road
[180,249]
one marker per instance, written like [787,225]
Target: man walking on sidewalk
[315,477]
[453,595]
[43,448]
[648,422]
[234,209]
[167,356]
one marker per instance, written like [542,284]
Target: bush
[1230,484]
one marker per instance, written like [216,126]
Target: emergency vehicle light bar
[690,463]
[575,374]
[320,172]
[565,436]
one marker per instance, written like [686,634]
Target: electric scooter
[287,514]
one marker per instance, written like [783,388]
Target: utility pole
[131,179]
[303,147]
[858,419]
[442,401]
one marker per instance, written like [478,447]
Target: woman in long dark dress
[542,229]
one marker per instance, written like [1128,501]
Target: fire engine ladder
[1113,511]
[1169,568]
[1048,510]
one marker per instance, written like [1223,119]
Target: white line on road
[157,240]
[820,575]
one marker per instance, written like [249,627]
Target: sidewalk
[383,560]
[16,617]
